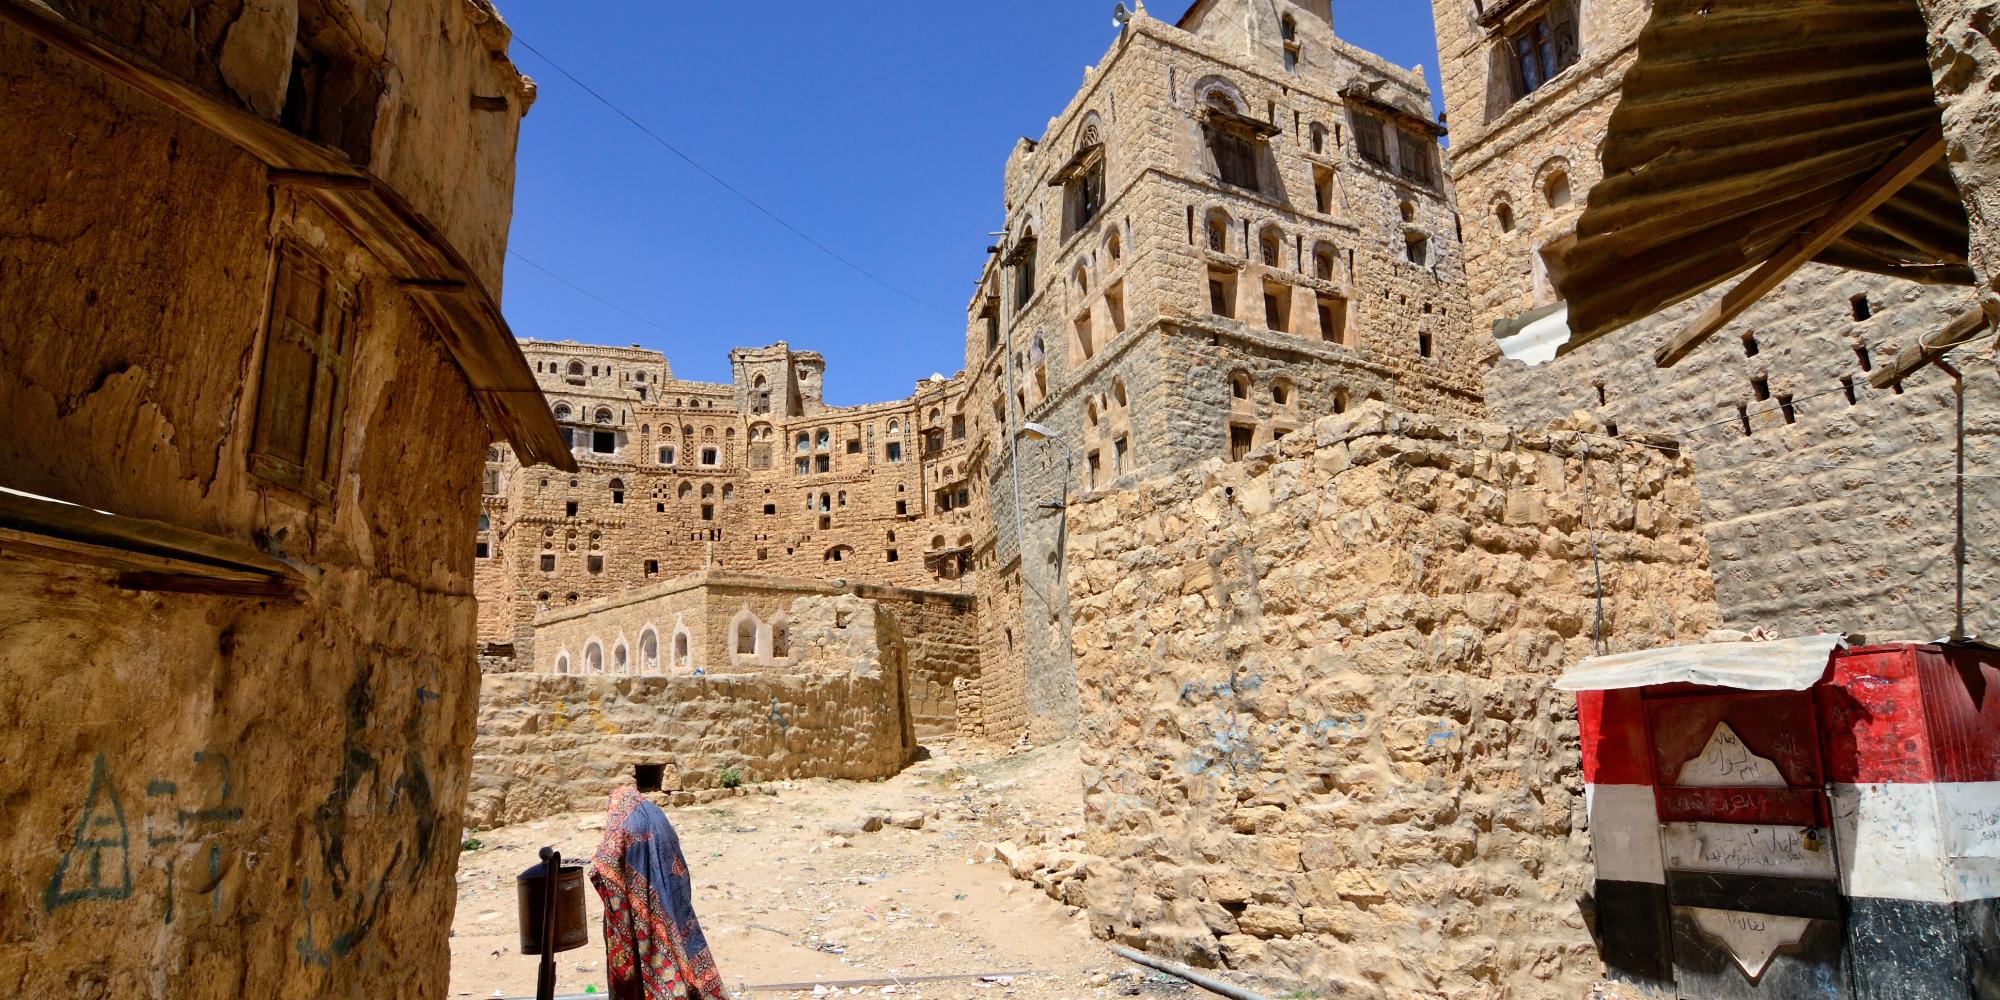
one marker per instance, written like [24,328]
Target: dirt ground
[783,900]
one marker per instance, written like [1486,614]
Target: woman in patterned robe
[654,947]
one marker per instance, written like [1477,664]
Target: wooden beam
[1915,357]
[1907,165]
[318,180]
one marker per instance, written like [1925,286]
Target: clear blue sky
[878,128]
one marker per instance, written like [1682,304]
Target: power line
[726,186]
[613,306]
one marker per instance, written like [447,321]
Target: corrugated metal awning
[1779,665]
[1745,129]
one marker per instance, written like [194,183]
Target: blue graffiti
[98,864]
[1442,734]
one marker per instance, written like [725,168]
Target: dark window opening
[649,777]
[1611,427]
[824,463]
[1785,406]
[482,550]
[1859,304]
[770,508]
[1601,398]
[1417,247]
[1235,157]
[1760,388]
[603,442]
[1240,440]
[652,567]
[597,564]
[1332,319]
[548,563]
[1222,295]
[1847,387]
[1861,355]
[958,427]
[893,556]
[1750,347]
[1423,345]
[1368,140]
[569,509]
[1540,50]
[1416,158]
[708,512]
[902,508]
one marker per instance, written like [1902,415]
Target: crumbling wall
[1320,740]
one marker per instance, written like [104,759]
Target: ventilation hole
[1749,345]
[1743,418]
[1600,394]
[1847,387]
[648,776]
[1861,355]
[1859,304]
[1785,407]
[1760,387]
[1611,427]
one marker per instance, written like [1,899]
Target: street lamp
[1041,432]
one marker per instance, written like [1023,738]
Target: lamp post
[1041,432]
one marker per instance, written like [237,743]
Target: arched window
[562,411]
[593,658]
[896,428]
[576,368]
[562,663]
[1556,189]
[1239,385]
[838,553]
[1281,392]
[621,659]
[744,629]
[649,651]
[1288,29]
[485,522]
[1318,138]
[1082,279]
[823,439]
[686,490]
[804,441]
[682,658]
[1118,392]
[603,415]
[618,491]
[1268,245]
[1503,216]
[1218,230]
[1323,264]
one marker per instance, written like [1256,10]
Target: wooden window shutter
[301,389]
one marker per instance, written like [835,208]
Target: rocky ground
[824,881]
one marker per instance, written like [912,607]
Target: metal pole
[1209,983]
[545,977]
[1958,547]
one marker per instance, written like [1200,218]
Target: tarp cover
[1778,665]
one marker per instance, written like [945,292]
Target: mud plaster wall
[1320,739]
[208,797]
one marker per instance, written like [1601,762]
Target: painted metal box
[1803,821]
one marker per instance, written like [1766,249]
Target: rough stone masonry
[1320,742]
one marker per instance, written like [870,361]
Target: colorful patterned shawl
[654,947]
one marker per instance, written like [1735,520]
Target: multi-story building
[757,475]
[1239,223]
[1828,503]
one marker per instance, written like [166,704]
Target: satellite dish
[1120,16]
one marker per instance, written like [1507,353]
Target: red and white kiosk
[1796,818]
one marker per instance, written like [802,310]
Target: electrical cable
[615,307]
[725,185]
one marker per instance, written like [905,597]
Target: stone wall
[549,743]
[211,792]
[1320,739]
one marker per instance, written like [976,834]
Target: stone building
[1238,224]
[755,476]
[250,354]
[1828,502]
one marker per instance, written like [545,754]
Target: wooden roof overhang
[433,272]
[1363,95]
[1086,157]
[1763,134]
[1231,121]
